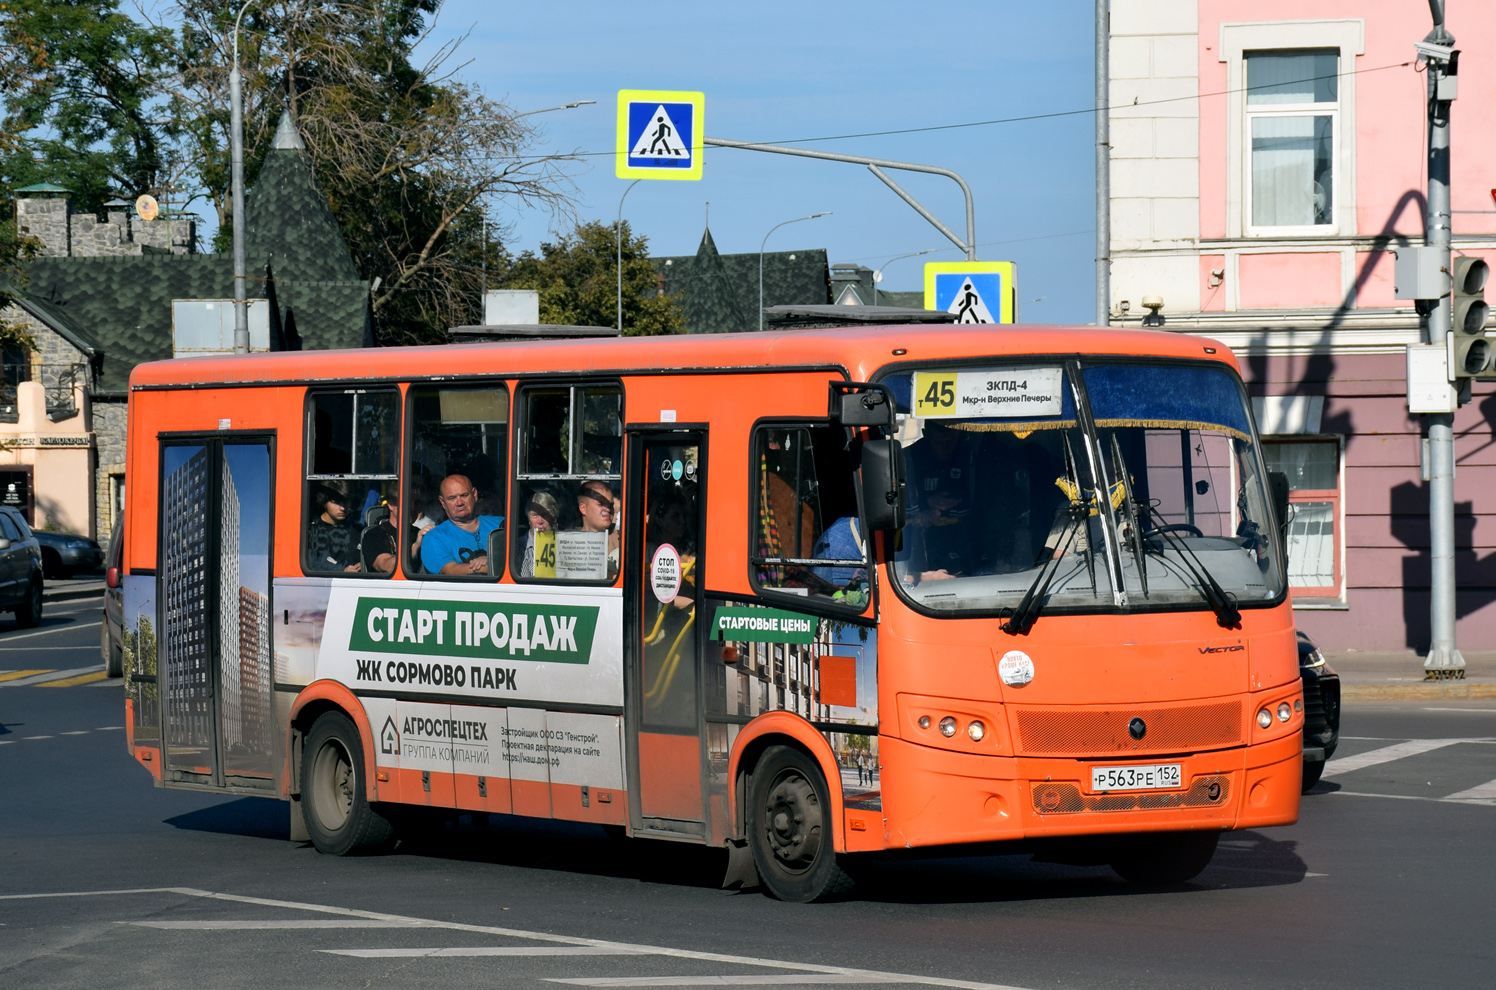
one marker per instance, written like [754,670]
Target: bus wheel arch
[788,808]
[339,818]
[315,700]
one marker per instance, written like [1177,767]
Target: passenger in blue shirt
[459,545]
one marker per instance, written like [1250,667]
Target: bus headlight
[1265,719]
[976,730]
[947,727]
[1284,712]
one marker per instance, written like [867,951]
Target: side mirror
[496,551]
[1277,482]
[861,404]
[4,543]
[883,498]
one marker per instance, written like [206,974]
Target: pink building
[1267,158]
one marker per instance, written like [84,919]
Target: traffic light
[1472,351]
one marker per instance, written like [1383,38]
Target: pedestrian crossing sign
[659,134]
[975,291]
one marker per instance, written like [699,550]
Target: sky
[775,71]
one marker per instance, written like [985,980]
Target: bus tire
[1163,857]
[1312,773]
[790,829]
[339,818]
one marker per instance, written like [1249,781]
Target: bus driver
[459,545]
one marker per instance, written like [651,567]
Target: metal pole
[618,236]
[969,245]
[761,260]
[1103,164]
[1444,659]
[878,275]
[236,143]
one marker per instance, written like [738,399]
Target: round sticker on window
[676,470]
[664,573]
[1015,668]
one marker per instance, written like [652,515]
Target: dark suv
[20,569]
[1321,710]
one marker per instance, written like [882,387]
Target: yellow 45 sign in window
[992,393]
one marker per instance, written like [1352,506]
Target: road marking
[109,728]
[36,737]
[52,675]
[483,950]
[75,681]
[75,732]
[739,979]
[1482,792]
[277,924]
[1386,754]
[39,649]
[47,632]
[1460,709]
[1414,797]
[11,675]
[862,975]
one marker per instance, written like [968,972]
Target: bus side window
[805,512]
[458,464]
[568,508]
[352,480]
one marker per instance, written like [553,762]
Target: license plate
[1154,776]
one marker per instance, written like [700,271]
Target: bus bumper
[954,798]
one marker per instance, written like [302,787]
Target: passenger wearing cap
[598,508]
[459,545]
[331,544]
[540,512]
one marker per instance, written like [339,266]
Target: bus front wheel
[1163,857]
[790,828]
[338,815]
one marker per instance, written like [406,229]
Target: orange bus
[800,594]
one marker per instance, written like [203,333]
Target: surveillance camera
[1430,52]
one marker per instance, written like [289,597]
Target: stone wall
[109,474]
[47,221]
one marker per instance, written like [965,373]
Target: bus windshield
[1083,485]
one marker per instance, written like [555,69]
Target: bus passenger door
[662,582]
[213,599]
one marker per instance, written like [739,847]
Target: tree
[80,90]
[577,277]
[409,156]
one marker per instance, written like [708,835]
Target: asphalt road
[105,881]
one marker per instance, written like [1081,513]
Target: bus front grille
[1083,732]
[1063,798]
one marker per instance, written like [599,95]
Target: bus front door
[213,603]
[663,643]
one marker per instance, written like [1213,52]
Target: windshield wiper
[1130,504]
[1027,611]
[1221,602]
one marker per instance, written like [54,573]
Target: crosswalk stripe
[51,675]
[12,675]
[1386,754]
[75,681]
[732,980]
[482,950]
[1482,792]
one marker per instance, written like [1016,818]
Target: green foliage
[577,277]
[82,110]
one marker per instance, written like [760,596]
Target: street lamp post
[761,260]
[878,275]
[618,234]
[236,153]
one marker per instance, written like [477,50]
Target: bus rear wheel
[1163,857]
[790,828]
[338,815]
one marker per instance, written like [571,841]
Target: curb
[1429,692]
[69,594]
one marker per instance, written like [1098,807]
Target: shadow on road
[1243,860]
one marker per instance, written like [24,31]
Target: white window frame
[1345,36]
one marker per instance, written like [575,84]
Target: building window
[1314,517]
[1292,118]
